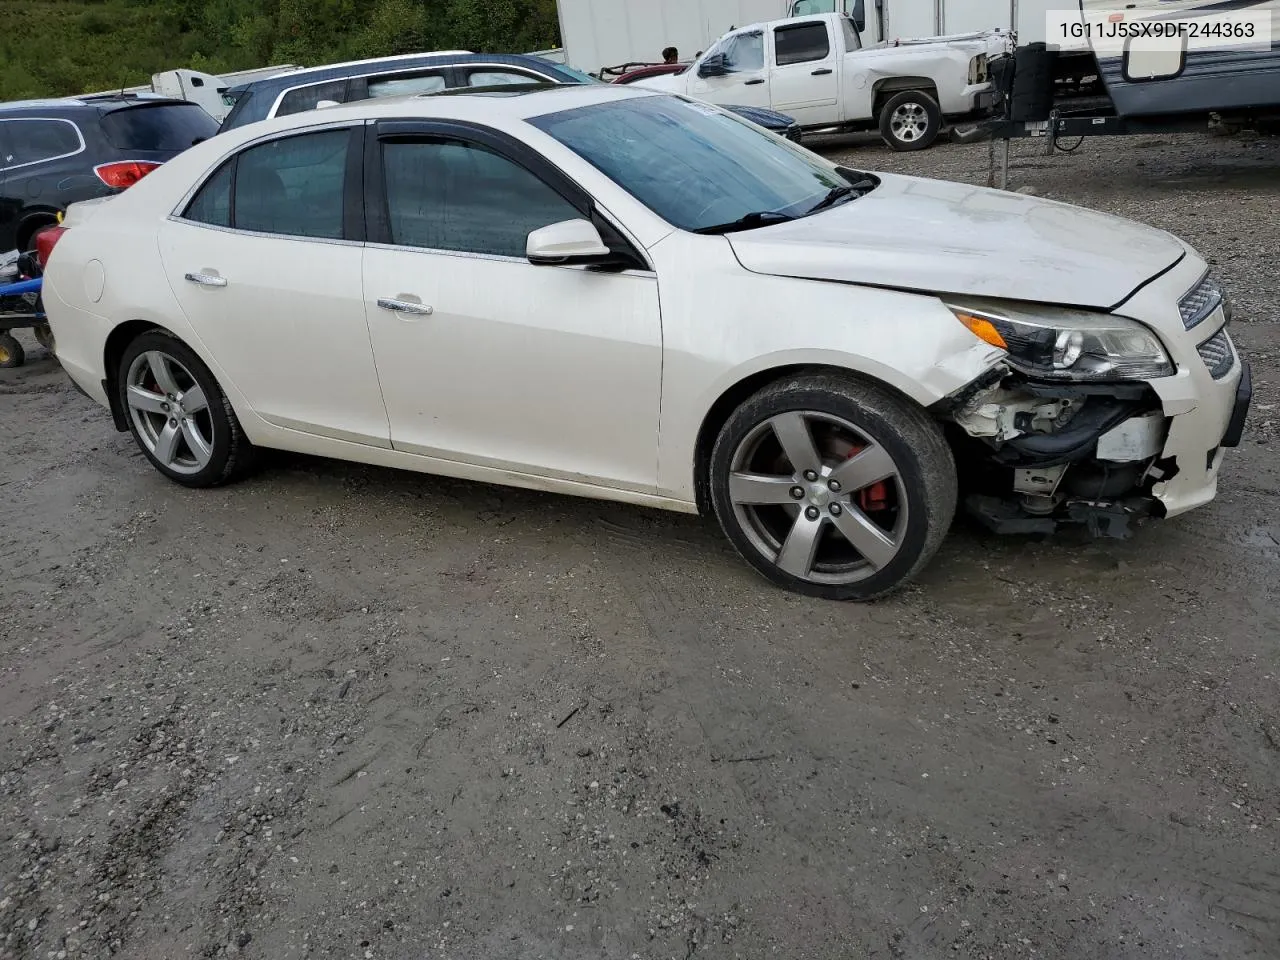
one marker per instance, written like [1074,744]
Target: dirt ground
[343,712]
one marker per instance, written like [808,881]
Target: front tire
[178,415]
[833,487]
[911,120]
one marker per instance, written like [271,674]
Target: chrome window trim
[495,257]
[61,156]
[237,231]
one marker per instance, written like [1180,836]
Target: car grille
[1217,354]
[1200,302]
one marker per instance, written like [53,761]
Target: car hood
[771,119]
[942,237]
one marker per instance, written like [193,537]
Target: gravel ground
[337,711]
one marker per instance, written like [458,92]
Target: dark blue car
[300,90]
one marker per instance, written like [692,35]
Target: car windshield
[697,167]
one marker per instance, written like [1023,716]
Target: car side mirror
[567,242]
[713,66]
[859,15]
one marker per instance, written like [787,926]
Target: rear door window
[293,186]
[801,43]
[497,78]
[212,205]
[306,98]
[36,140]
[162,127]
[405,84]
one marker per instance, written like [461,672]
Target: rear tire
[178,414]
[44,336]
[833,487]
[11,352]
[910,120]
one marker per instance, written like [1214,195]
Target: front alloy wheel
[832,487]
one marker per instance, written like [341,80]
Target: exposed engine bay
[1036,455]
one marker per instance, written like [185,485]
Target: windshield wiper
[757,218]
[838,193]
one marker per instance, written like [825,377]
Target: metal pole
[1004,167]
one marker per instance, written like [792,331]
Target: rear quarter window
[306,98]
[167,127]
[37,139]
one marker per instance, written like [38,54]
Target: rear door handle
[821,73]
[207,279]
[405,306]
[752,83]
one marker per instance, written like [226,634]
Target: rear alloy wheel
[911,120]
[178,414]
[832,487]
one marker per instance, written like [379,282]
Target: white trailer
[606,33]
[902,19]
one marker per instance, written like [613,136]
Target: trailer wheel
[11,352]
[911,120]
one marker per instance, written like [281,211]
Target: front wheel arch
[719,412]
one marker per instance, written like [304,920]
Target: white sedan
[621,294]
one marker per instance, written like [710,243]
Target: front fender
[723,325]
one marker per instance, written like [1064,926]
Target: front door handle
[404,306]
[752,83]
[207,279]
[821,73]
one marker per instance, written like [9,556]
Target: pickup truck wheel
[910,120]
[833,487]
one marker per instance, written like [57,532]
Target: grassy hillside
[57,47]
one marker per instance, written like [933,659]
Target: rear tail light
[46,239]
[124,173]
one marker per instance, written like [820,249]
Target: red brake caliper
[874,497]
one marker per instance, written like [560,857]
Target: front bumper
[985,101]
[1206,417]
[1134,450]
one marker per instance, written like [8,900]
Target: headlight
[1057,344]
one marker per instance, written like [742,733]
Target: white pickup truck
[816,70]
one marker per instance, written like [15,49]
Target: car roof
[360,68]
[481,104]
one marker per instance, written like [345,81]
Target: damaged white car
[619,294]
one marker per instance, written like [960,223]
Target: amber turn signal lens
[983,329]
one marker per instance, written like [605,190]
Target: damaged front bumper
[1035,455]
